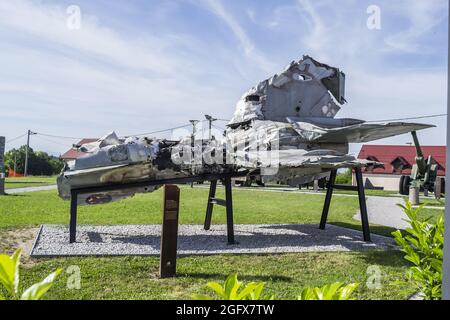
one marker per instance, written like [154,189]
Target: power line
[16,138]
[55,136]
[218,128]
[189,125]
[412,118]
[55,142]
[160,131]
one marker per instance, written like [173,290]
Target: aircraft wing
[359,133]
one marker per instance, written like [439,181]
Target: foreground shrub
[230,290]
[423,245]
[9,278]
[335,291]
[254,290]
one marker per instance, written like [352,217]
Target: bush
[344,177]
[423,245]
[334,291]
[39,163]
[230,290]
[9,278]
[254,290]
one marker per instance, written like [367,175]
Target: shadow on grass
[242,277]
[374,229]
[393,259]
[26,182]
[12,194]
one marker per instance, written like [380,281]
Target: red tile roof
[388,153]
[74,154]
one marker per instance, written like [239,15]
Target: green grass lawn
[14,183]
[285,274]
[430,214]
[45,207]
[136,277]
[432,202]
[369,192]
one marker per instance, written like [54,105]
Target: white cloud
[422,17]
[97,79]
[102,78]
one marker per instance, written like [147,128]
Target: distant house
[397,161]
[73,154]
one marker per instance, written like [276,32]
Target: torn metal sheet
[285,127]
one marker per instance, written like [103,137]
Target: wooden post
[169,235]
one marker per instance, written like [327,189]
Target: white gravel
[53,240]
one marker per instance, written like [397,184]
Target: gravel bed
[144,240]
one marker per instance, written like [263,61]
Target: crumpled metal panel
[301,90]
[285,126]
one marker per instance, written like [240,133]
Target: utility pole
[29,133]
[210,120]
[194,131]
[194,127]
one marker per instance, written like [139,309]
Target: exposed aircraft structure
[285,127]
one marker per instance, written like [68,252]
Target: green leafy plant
[9,278]
[334,291]
[423,245]
[344,177]
[230,290]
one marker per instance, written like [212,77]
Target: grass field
[136,277]
[14,183]
[369,192]
[285,274]
[45,207]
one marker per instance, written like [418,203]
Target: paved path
[384,211]
[30,189]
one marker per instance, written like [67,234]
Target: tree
[39,163]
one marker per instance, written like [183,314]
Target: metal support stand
[169,235]
[226,177]
[210,205]
[227,203]
[361,197]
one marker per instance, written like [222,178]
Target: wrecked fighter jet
[285,128]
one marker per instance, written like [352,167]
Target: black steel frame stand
[361,197]
[227,203]
[226,177]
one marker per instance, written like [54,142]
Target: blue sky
[140,66]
